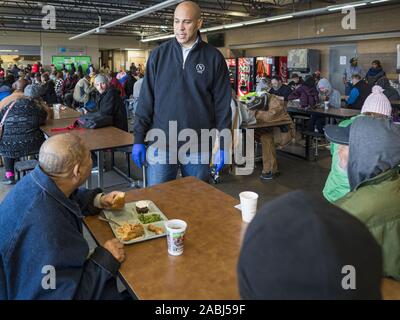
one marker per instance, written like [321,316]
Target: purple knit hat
[377,102]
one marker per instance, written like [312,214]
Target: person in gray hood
[370,152]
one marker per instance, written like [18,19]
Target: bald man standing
[43,254]
[187,83]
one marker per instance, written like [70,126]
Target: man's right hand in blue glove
[139,154]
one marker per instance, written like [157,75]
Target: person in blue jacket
[187,82]
[43,254]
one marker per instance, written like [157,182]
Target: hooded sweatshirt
[296,248]
[333,94]
[374,149]
[373,171]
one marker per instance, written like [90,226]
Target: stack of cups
[248,204]
[175,236]
[56,109]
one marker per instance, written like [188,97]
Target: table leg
[100,163]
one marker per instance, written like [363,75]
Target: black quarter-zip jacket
[196,94]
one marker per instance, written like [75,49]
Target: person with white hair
[109,102]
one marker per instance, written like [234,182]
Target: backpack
[94,121]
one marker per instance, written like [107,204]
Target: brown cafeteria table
[339,113]
[207,268]
[97,140]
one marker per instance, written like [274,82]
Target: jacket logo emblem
[200,68]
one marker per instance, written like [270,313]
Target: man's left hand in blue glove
[219,160]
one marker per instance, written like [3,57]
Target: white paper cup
[248,204]
[326,104]
[175,236]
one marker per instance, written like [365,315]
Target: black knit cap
[297,246]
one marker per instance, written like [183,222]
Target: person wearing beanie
[300,247]
[21,132]
[337,184]
[369,151]
[358,93]
[377,102]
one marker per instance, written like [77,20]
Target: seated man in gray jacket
[43,254]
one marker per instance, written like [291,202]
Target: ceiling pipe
[133,16]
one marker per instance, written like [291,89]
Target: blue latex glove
[219,160]
[139,154]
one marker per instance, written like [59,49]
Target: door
[339,59]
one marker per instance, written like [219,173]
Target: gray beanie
[33,91]
[101,79]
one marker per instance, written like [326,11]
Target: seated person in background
[6,85]
[48,91]
[391,93]
[326,93]
[18,87]
[358,93]
[337,185]
[21,131]
[67,89]
[296,81]
[129,83]
[274,136]
[82,93]
[109,103]
[41,225]
[117,85]
[307,93]
[369,150]
[296,248]
[58,86]
[279,89]
[317,76]
[263,85]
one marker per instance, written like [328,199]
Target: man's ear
[199,23]
[76,171]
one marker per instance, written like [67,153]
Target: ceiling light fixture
[299,14]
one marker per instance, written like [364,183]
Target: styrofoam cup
[248,204]
[175,236]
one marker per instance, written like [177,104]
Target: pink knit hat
[377,102]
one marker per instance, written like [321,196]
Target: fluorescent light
[379,1]
[131,49]
[279,18]
[233,25]
[6,50]
[250,22]
[158,38]
[347,6]
[160,6]
[212,29]
[237,14]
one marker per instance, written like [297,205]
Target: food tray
[129,215]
